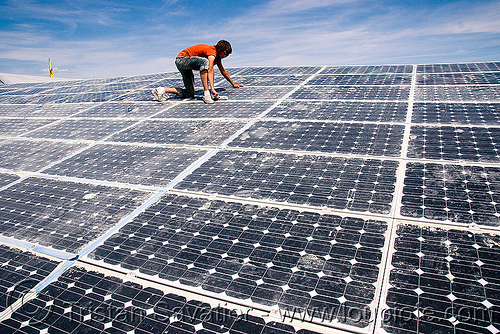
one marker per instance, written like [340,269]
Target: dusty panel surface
[462,194]
[443,280]
[343,138]
[342,111]
[32,155]
[457,113]
[362,199]
[294,260]
[19,272]
[151,166]
[232,109]
[19,126]
[123,110]
[455,143]
[104,304]
[86,129]
[7,178]
[340,183]
[63,215]
[193,132]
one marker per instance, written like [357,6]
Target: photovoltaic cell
[455,143]
[443,281]
[270,80]
[464,67]
[12,110]
[254,93]
[455,193]
[54,110]
[395,93]
[371,79]
[457,113]
[487,78]
[18,126]
[6,178]
[63,215]
[279,70]
[84,301]
[344,138]
[274,257]
[339,183]
[186,132]
[152,166]
[341,111]
[123,110]
[221,109]
[20,271]
[32,155]
[372,69]
[86,129]
[457,93]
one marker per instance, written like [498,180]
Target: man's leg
[204,79]
[207,98]
[188,79]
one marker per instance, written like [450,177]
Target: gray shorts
[186,66]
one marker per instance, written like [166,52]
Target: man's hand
[237,85]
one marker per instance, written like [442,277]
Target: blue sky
[101,38]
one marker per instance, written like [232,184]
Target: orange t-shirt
[199,50]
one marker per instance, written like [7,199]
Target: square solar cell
[464,67]
[457,113]
[74,89]
[18,126]
[454,193]
[455,143]
[13,109]
[372,79]
[292,70]
[457,93]
[220,109]
[124,110]
[344,138]
[341,111]
[88,97]
[85,301]
[368,69]
[339,183]
[395,93]
[63,215]
[149,77]
[443,281]
[294,260]
[20,271]
[32,155]
[6,179]
[254,93]
[488,78]
[54,110]
[83,129]
[194,132]
[270,80]
[152,166]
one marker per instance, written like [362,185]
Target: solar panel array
[313,200]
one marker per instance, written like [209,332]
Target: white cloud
[279,32]
[396,34]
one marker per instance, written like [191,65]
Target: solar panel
[315,199]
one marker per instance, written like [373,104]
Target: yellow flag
[50,69]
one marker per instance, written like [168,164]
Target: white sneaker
[208,99]
[157,93]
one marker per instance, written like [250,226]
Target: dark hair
[224,46]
